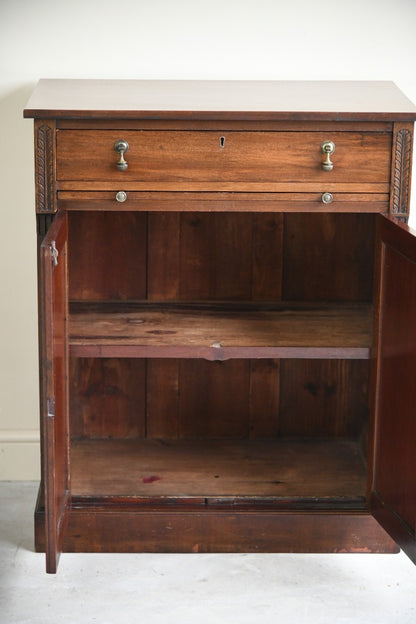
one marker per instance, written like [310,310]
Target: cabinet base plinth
[218,531]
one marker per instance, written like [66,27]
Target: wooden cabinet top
[188,99]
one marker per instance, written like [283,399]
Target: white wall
[188,39]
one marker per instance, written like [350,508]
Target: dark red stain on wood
[151,479]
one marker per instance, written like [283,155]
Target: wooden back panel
[188,399]
[223,256]
[208,257]
[328,257]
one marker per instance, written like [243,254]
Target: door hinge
[50,405]
[54,254]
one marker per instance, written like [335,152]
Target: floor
[202,589]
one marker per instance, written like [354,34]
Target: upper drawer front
[211,159]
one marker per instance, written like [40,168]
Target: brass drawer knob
[327,198]
[327,148]
[121,147]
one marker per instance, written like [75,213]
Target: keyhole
[222,141]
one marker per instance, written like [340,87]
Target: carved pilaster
[45,166]
[401,169]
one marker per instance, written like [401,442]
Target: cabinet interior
[220,357]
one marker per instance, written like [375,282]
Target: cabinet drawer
[222,202]
[213,160]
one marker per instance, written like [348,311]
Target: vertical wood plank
[328,257]
[162,399]
[264,398]
[214,399]
[216,256]
[267,257]
[107,397]
[323,397]
[107,255]
[201,399]
[163,256]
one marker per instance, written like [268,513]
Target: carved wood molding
[44,169]
[401,171]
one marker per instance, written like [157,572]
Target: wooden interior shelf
[220,470]
[221,331]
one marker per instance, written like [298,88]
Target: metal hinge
[54,254]
[50,407]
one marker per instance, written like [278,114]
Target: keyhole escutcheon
[222,142]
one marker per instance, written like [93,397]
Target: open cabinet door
[54,376]
[393,499]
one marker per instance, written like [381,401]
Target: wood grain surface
[275,468]
[196,158]
[337,330]
[326,100]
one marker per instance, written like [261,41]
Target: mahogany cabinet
[227,305]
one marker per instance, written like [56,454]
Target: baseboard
[19,455]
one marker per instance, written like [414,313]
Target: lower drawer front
[324,201]
[211,160]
